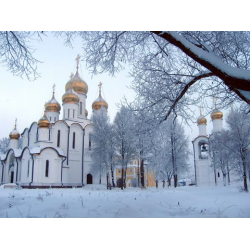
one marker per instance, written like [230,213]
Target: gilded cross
[200,110]
[15,123]
[77,61]
[100,86]
[214,101]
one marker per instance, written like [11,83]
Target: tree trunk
[142,173]
[112,175]
[224,179]
[228,176]
[245,176]
[122,178]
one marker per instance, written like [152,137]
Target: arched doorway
[89,179]
[11,177]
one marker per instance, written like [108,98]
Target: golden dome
[43,122]
[78,84]
[52,105]
[216,114]
[70,97]
[99,102]
[86,112]
[201,120]
[14,134]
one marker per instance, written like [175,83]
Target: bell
[203,148]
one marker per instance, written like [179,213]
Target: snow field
[95,201]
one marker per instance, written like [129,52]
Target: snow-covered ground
[95,201]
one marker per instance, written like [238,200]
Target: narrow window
[58,138]
[54,119]
[28,172]
[47,169]
[50,118]
[80,108]
[74,138]
[68,113]
[73,113]
[89,141]
[218,174]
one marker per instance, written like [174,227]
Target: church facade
[54,152]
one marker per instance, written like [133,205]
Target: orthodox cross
[54,89]
[77,61]
[100,86]
[201,110]
[214,101]
[15,123]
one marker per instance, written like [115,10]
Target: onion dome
[70,96]
[201,120]
[14,134]
[216,114]
[99,102]
[78,84]
[86,112]
[43,122]
[52,105]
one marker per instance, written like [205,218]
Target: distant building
[133,175]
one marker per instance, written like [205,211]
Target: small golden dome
[216,114]
[98,103]
[201,120]
[14,134]
[43,122]
[86,112]
[78,84]
[70,97]
[52,105]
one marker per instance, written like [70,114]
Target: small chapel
[55,152]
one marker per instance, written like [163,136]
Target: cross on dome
[71,76]
[201,110]
[100,86]
[15,123]
[214,101]
[77,61]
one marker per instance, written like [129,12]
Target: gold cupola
[53,105]
[76,82]
[70,97]
[14,134]
[216,114]
[201,120]
[44,122]
[99,102]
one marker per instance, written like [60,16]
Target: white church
[54,152]
[205,173]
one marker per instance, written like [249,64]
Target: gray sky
[25,100]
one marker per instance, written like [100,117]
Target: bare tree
[125,141]
[16,52]
[173,70]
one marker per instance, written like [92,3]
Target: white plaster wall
[75,155]
[71,107]
[24,178]
[33,135]
[52,116]
[82,98]
[217,125]
[54,176]
[25,138]
[202,129]
[63,136]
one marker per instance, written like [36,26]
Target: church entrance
[89,179]
[11,177]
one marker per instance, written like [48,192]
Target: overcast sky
[25,100]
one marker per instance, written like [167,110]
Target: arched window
[68,112]
[80,108]
[73,113]
[89,141]
[74,140]
[218,174]
[58,138]
[47,169]
[28,170]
